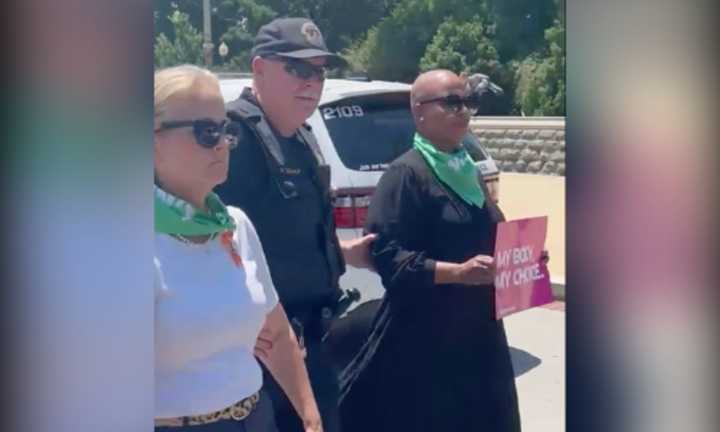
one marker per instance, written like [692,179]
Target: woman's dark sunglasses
[207,132]
[455,103]
[301,69]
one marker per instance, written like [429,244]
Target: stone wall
[524,144]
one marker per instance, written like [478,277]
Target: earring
[422,119]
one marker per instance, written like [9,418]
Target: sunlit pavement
[537,341]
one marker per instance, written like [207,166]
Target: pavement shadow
[523,361]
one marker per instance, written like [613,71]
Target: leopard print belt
[238,411]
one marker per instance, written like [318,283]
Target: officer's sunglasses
[455,103]
[207,132]
[301,69]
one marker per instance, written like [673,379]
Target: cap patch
[311,33]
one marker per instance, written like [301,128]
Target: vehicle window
[369,133]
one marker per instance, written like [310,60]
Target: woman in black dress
[436,359]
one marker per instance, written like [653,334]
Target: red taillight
[344,212]
[351,210]
[362,203]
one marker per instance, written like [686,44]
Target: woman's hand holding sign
[478,270]
[523,280]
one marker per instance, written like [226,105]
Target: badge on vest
[290,171]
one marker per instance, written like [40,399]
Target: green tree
[541,77]
[513,41]
[236,22]
[185,47]
[462,46]
[163,9]
[341,21]
[392,49]
[241,20]
[358,53]
[465,46]
[520,25]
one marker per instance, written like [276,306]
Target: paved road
[537,341]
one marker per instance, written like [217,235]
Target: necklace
[226,240]
[187,241]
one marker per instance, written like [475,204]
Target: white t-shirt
[208,313]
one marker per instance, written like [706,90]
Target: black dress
[436,359]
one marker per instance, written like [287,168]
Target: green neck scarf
[176,216]
[455,169]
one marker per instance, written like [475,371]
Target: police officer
[279,178]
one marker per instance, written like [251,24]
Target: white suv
[361,127]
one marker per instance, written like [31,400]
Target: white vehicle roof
[231,88]
[334,90]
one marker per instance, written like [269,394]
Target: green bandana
[176,216]
[456,170]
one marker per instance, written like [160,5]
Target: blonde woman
[216,309]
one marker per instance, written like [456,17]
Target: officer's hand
[357,251]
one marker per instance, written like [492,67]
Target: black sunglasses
[207,132]
[301,69]
[455,103]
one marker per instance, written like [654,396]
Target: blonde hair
[177,79]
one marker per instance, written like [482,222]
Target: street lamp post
[207,33]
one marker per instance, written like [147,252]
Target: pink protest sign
[521,280]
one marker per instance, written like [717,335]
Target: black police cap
[295,38]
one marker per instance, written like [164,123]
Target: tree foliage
[341,21]
[186,46]
[462,46]
[541,77]
[163,9]
[519,43]
[393,48]
[242,19]
[520,25]
[466,46]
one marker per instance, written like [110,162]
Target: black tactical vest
[293,217]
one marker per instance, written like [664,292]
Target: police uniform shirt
[289,221]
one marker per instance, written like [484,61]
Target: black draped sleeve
[396,214]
